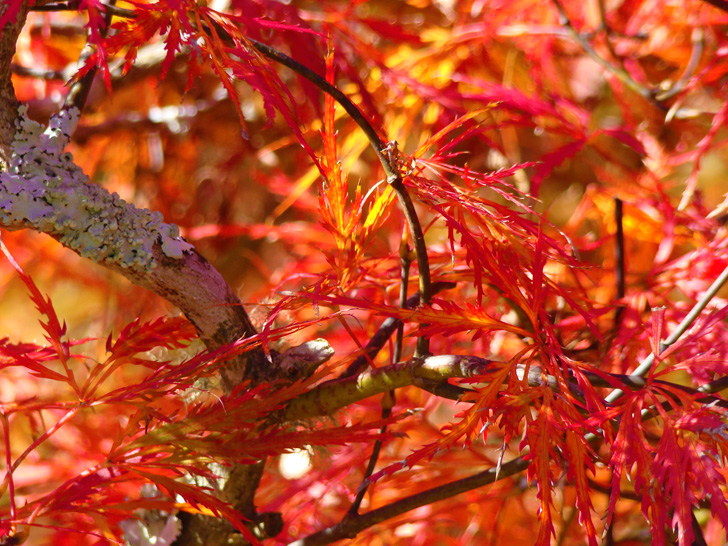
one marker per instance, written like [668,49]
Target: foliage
[521,128]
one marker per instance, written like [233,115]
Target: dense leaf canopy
[547,175]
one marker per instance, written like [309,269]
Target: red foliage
[515,126]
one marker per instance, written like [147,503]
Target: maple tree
[464,259]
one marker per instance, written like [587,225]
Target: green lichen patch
[43,189]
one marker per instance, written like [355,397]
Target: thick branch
[45,191]
[432,373]
[385,153]
[42,189]
[331,396]
[8,102]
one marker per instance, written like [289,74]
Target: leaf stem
[431,374]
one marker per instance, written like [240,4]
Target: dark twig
[385,331]
[698,536]
[720,4]
[79,91]
[608,539]
[405,256]
[352,525]
[60,6]
[714,386]
[388,161]
[390,398]
[73,6]
[36,72]
[607,490]
[619,269]
[354,508]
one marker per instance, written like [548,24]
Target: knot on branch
[301,361]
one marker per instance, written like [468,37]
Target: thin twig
[619,268]
[79,91]
[385,331]
[647,363]
[604,26]
[610,32]
[405,263]
[352,525]
[621,74]
[35,72]
[73,6]
[697,39]
[389,399]
[720,4]
[391,169]
[61,6]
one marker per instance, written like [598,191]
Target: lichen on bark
[44,190]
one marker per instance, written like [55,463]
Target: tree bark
[181,276]
[8,101]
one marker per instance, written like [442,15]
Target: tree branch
[352,525]
[621,74]
[644,368]
[42,189]
[437,369]
[8,102]
[386,153]
[45,191]
[328,397]
[431,374]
